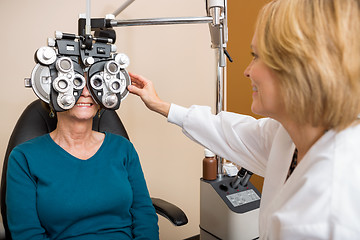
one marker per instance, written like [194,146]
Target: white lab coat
[320,200]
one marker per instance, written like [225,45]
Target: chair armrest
[169,211]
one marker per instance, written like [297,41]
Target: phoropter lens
[65,64]
[115,85]
[112,67]
[96,82]
[62,84]
[77,82]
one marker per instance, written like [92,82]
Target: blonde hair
[313,46]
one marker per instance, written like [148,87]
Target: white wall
[178,59]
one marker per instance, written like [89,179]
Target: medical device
[227,211]
[58,77]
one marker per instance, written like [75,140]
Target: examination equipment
[58,77]
[228,212]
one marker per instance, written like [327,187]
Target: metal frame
[217,20]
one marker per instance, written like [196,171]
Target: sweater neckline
[63,151]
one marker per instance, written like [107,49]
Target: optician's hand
[144,88]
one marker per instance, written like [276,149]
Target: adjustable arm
[122,7]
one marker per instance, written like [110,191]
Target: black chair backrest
[35,121]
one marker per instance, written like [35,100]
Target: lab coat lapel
[276,171]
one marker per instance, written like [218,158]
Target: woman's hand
[144,88]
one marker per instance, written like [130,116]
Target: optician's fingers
[138,80]
[142,83]
[135,90]
[137,84]
[144,88]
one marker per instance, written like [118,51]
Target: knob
[123,60]
[58,35]
[46,55]
[67,100]
[89,61]
[111,100]
[51,42]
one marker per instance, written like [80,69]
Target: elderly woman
[75,183]
[305,76]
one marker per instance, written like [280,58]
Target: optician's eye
[254,55]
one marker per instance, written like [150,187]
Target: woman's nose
[247,71]
[85,92]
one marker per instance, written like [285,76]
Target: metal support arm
[160,21]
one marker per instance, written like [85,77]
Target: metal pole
[221,68]
[122,7]
[160,21]
[220,103]
[220,88]
[88,21]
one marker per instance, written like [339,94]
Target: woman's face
[267,99]
[84,109]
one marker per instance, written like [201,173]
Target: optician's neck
[303,136]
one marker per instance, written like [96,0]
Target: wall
[178,59]
[242,17]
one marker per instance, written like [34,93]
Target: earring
[99,112]
[51,113]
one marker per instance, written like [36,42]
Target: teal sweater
[54,195]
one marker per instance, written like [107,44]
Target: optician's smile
[254,88]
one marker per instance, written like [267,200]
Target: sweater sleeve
[239,138]
[145,220]
[21,200]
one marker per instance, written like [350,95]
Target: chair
[35,121]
